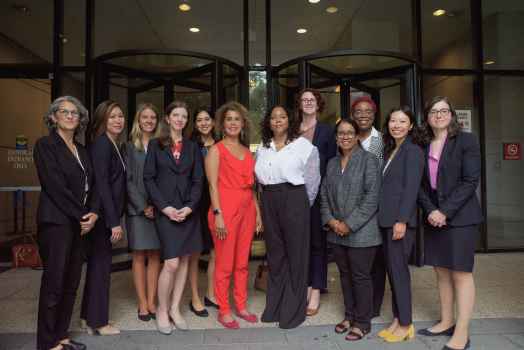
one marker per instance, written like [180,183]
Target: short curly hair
[55,106]
[320,101]
[293,131]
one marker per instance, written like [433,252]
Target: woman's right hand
[149,212]
[171,213]
[116,234]
[220,227]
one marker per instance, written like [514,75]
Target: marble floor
[499,281]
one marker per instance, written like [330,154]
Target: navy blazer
[458,178]
[110,179]
[400,186]
[324,140]
[171,184]
[63,181]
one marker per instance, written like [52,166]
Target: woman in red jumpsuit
[234,214]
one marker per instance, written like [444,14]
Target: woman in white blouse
[287,167]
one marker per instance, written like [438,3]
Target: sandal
[355,336]
[342,327]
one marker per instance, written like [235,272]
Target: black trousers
[378,274]
[354,265]
[396,254]
[95,302]
[318,257]
[60,248]
[285,211]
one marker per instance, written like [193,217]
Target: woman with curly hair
[288,168]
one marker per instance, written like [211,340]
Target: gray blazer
[352,196]
[137,198]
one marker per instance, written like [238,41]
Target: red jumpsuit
[235,188]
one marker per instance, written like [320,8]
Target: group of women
[188,193]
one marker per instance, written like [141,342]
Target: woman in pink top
[453,214]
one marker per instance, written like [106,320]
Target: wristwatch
[216,212]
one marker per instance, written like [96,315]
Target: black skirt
[451,247]
[179,238]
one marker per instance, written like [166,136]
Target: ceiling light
[301,30]
[184,7]
[439,12]
[314,1]
[488,62]
[194,29]
[331,9]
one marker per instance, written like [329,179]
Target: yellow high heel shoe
[384,333]
[391,338]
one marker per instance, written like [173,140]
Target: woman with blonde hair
[142,235]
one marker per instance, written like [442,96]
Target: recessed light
[314,1]
[301,30]
[331,9]
[184,7]
[194,29]
[488,62]
[439,12]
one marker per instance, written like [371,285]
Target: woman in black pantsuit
[67,210]
[397,215]
[452,212]
[110,178]
[173,175]
[288,168]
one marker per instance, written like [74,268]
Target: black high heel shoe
[426,332]
[465,347]
[143,318]
[209,303]
[201,313]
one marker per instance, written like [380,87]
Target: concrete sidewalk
[486,334]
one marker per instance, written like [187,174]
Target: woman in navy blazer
[397,215]
[453,214]
[309,105]
[173,176]
[67,210]
[110,178]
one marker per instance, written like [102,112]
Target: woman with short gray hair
[67,210]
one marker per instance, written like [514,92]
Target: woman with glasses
[67,210]
[452,217]
[349,200]
[310,105]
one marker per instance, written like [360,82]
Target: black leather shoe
[201,313]
[209,303]
[152,315]
[144,318]
[426,332]
[465,347]
[74,345]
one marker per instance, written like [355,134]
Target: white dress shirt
[297,163]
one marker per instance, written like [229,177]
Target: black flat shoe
[152,315]
[144,318]
[209,303]
[201,313]
[465,347]
[426,332]
[74,345]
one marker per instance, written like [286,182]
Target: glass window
[504,164]
[73,38]
[257,102]
[73,84]
[446,33]
[370,25]
[160,24]
[503,29]
[257,33]
[26,32]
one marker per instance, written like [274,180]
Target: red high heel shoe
[249,317]
[229,325]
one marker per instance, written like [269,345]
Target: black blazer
[458,177]
[63,181]
[324,140]
[400,186]
[171,184]
[110,180]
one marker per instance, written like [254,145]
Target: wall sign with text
[512,151]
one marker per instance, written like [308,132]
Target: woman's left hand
[259,227]
[183,213]
[399,231]
[88,223]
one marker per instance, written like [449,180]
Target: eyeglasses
[362,112]
[443,112]
[65,112]
[308,101]
[344,134]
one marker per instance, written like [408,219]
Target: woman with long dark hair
[452,216]
[397,215]
[288,170]
[203,134]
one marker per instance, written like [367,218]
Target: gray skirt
[141,233]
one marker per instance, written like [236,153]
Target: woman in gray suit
[349,200]
[142,235]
